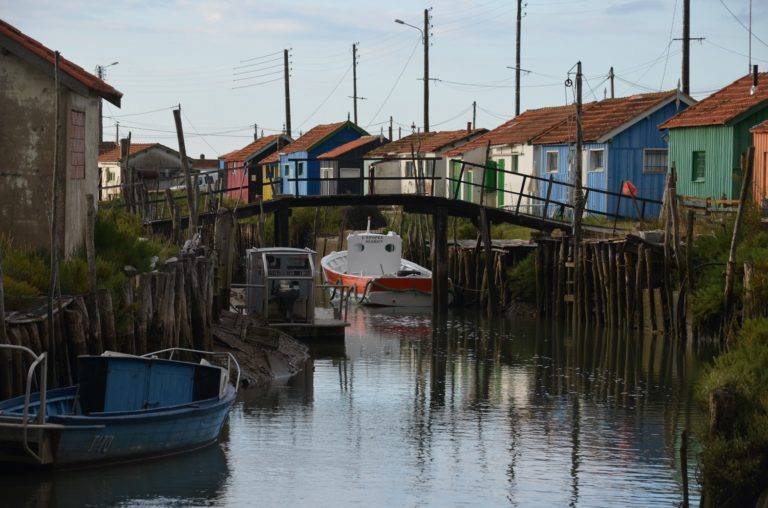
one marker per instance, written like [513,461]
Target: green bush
[522,280]
[735,468]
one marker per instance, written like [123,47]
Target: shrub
[735,469]
[522,280]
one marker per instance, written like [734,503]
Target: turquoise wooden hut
[706,140]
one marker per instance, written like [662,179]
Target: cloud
[635,6]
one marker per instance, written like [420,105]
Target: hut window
[409,172]
[77,144]
[287,169]
[515,164]
[552,162]
[699,161]
[655,160]
[596,160]
[301,168]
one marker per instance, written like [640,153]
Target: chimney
[469,126]
[753,90]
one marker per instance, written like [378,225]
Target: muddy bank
[264,354]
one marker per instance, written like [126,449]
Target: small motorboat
[124,408]
[375,270]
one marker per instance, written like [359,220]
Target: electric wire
[394,85]
[326,98]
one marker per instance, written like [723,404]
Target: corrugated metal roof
[424,142]
[600,118]
[518,130]
[724,105]
[348,147]
[74,71]
[242,154]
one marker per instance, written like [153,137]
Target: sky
[223,60]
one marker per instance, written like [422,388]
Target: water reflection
[195,478]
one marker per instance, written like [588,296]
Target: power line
[197,132]
[669,45]
[455,116]
[273,73]
[326,98]
[418,42]
[262,56]
[257,84]
[742,24]
[139,114]
[256,64]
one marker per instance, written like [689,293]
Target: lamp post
[101,74]
[425,41]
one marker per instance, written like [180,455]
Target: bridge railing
[543,201]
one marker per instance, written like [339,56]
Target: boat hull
[385,291]
[73,441]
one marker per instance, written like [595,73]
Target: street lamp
[101,75]
[425,41]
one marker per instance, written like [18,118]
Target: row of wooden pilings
[168,307]
[624,283]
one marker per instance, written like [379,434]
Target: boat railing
[345,295]
[229,357]
[41,359]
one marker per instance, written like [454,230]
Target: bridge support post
[440,263]
[485,233]
[282,214]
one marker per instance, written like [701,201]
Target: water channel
[476,412]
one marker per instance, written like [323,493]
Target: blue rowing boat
[124,408]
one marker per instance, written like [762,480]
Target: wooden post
[747,160]
[282,216]
[440,263]
[749,293]
[225,226]
[190,184]
[485,230]
[5,358]
[684,466]
[173,210]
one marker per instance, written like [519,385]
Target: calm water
[478,413]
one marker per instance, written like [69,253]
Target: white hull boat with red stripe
[376,272]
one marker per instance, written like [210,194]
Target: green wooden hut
[707,139]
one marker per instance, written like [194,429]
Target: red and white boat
[373,266]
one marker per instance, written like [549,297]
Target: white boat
[375,270]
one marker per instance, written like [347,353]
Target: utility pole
[117,132]
[286,73]
[426,70]
[578,206]
[686,45]
[611,76]
[517,58]
[474,114]
[191,188]
[255,131]
[354,79]
[390,129]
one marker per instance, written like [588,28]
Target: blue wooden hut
[299,165]
[621,142]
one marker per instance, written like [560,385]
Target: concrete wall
[27,145]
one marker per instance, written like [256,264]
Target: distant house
[342,169]
[508,146]
[27,110]
[760,170]
[621,142]
[156,166]
[270,175]
[299,167]
[244,177]
[707,140]
[411,164]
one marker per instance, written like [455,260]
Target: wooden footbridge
[530,201]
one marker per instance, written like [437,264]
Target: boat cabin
[280,284]
[374,254]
